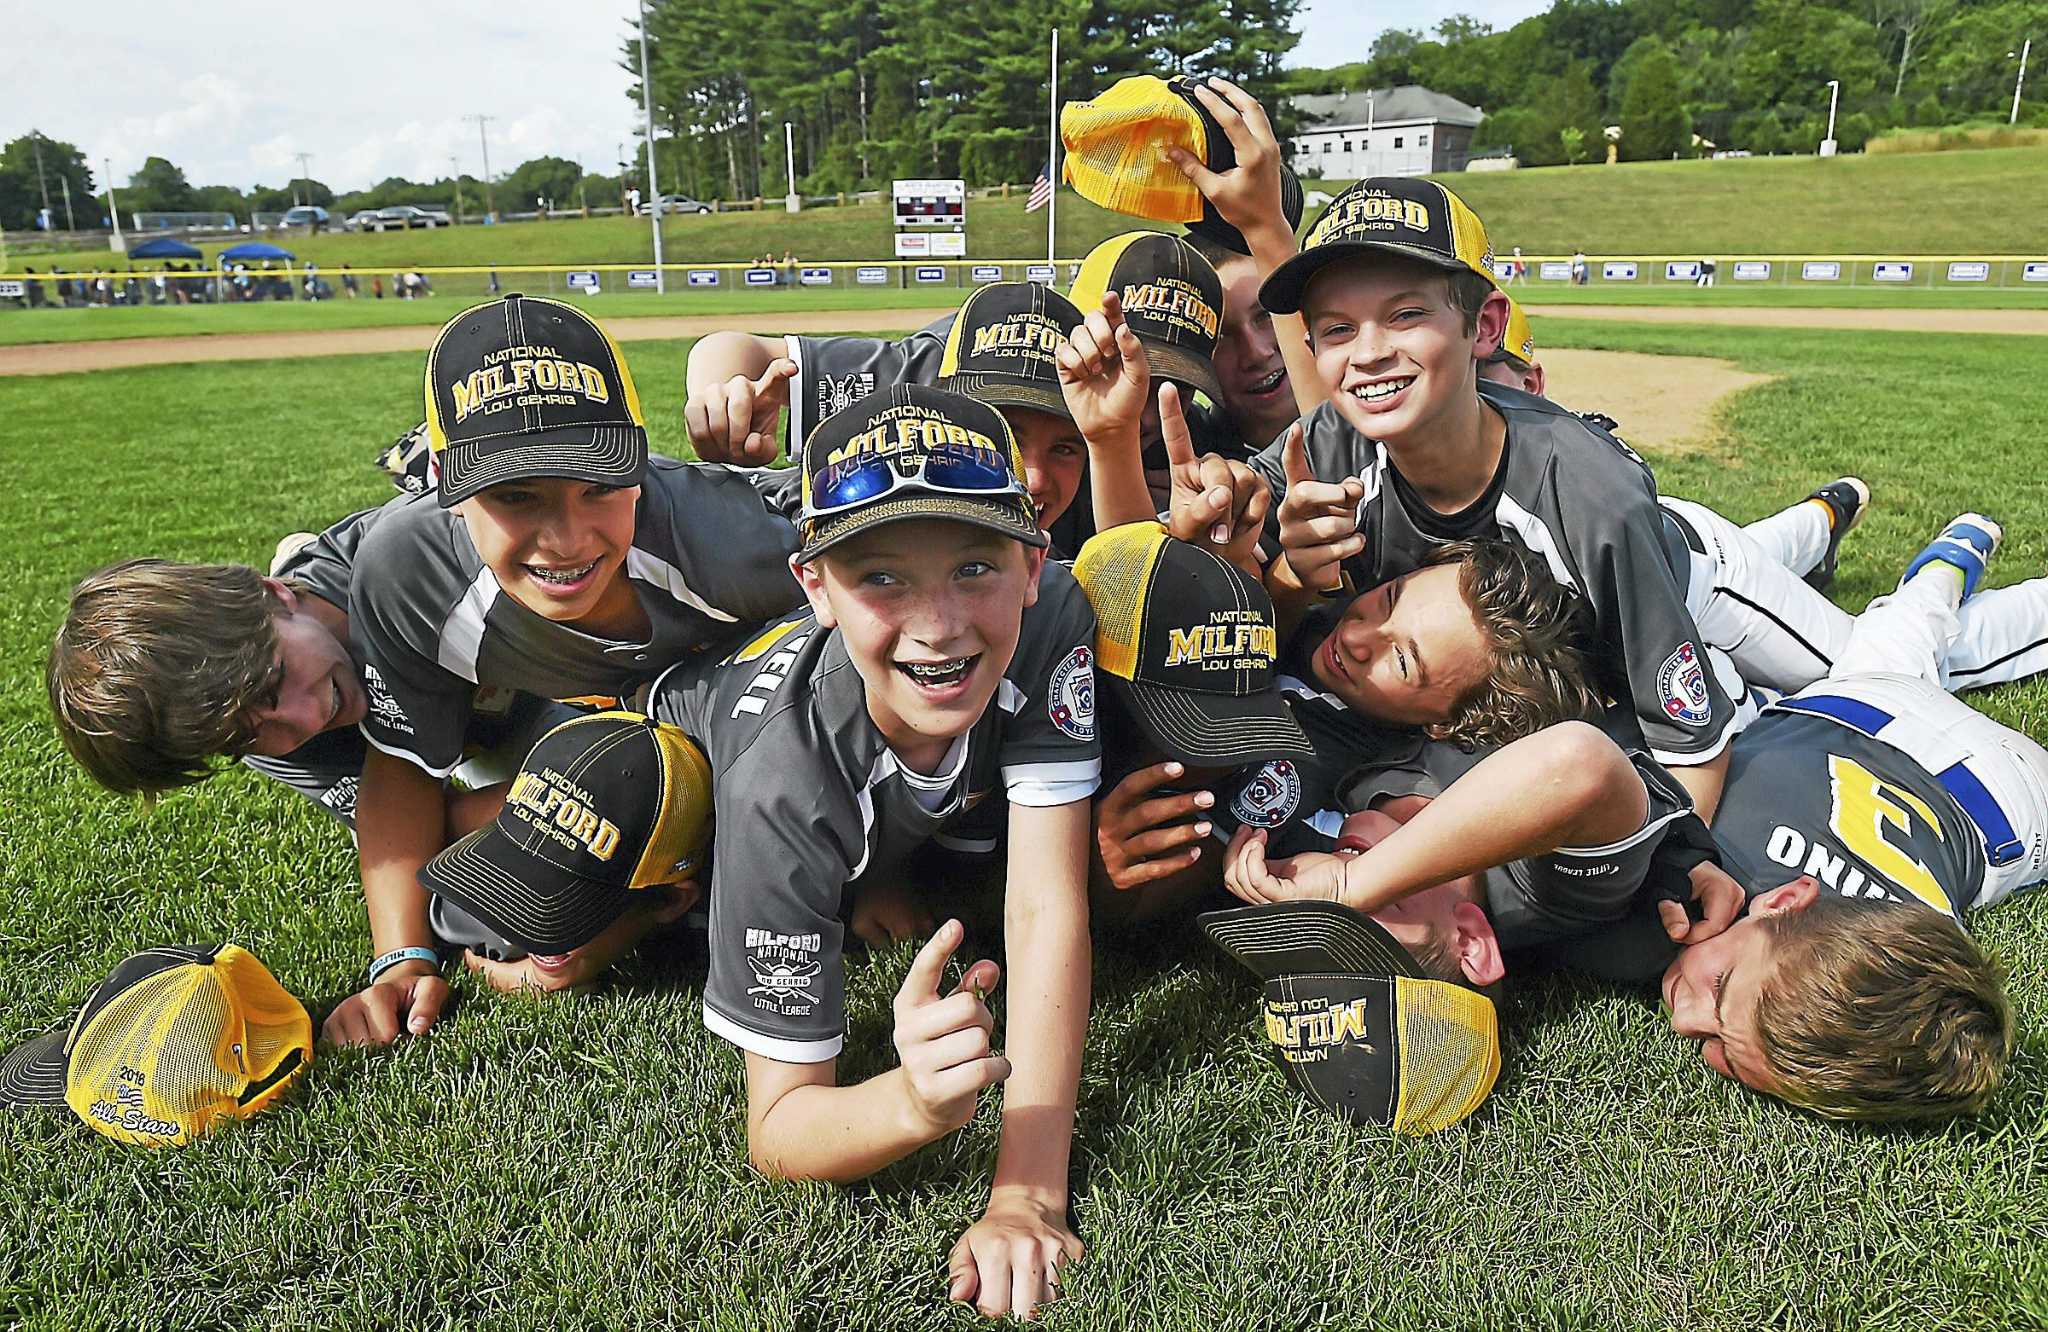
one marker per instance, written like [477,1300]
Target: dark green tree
[1653,123]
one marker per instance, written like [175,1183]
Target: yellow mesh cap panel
[1114,150]
[275,1029]
[1449,1041]
[949,360]
[684,824]
[1115,570]
[1519,341]
[1470,234]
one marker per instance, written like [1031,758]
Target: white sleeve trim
[408,755]
[799,427]
[1046,785]
[772,1047]
[1695,759]
[1636,838]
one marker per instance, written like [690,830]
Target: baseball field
[581,1160]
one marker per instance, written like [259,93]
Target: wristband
[398,955]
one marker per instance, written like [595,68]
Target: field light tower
[2025,50]
[1827,145]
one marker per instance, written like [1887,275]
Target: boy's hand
[1104,377]
[1318,519]
[579,970]
[1214,503]
[1248,195]
[735,422]
[1141,834]
[1721,900]
[1008,1262]
[406,1000]
[943,1042]
[1312,876]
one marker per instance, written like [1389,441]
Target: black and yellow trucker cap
[1172,300]
[1004,346]
[1518,343]
[603,806]
[175,1039]
[1402,215]
[1189,644]
[1362,1030]
[526,387]
[911,451]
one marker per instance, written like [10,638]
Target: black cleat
[1847,500]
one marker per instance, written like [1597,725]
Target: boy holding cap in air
[554,558]
[942,662]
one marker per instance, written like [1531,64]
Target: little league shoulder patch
[1072,701]
[1682,683]
[383,706]
[1269,796]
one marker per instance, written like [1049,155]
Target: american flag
[1041,191]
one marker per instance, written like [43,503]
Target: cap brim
[33,1074]
[531,903]
[605,455]
[1208,730]
[1182,366]
[1308,939]
[1002,391]
[1282,292]
[1010,518]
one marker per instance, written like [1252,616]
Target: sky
[380,88]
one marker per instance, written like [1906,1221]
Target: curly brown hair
[158,669]
[1540,676]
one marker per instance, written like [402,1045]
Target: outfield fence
[1957,272]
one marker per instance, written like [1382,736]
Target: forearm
[401,823]
[717,357]
[1045,924]
[1116,481]
[1703,783]
[1273,246]
[840,1134]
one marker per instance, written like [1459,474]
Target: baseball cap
[603,806]
[1402,215]
[176,1038]
[1172,298]
[1188,642]
[912,452]
[527,387]
[1115,155]
[1518,344]
[1362,1031]
[1002,348]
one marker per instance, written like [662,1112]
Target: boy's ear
[1034,565]
[1533,379]
[1475,944]
[1490,325]
[1794,896]
[812,579]
[286,598]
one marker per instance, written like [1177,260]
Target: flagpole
[1052,156]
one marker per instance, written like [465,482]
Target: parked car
[363,219]
[306,215]
[404,217]
[675,203]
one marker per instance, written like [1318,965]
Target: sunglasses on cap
[945,468]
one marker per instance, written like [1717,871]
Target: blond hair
[1878,1010]
[158,668]
[1537,674]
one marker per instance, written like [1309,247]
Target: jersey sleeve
[1639,609]
[323,566]
[1051,753]
[834,373]
[732,544]
[780,865]
[400,598]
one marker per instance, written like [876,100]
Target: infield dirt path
[52,358]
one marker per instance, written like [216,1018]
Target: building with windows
[1405,131]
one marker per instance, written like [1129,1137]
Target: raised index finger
[1173,426]
[921,983]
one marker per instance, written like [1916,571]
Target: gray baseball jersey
[834,373]
[808,798]
[1577,497]
[707,557]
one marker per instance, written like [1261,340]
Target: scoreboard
[931,203]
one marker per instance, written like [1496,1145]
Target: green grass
[581,1161]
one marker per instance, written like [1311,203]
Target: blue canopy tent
[165,247]
[254,251]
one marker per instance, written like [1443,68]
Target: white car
[363,219]
[404,217]
[675,203]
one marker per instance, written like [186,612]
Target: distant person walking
[1706,277]
[1578,268]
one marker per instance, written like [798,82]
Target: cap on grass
[526,387]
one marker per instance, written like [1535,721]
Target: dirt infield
[1663,402]
[52,358]
[61,357]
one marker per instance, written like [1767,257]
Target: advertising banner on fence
[1752,270]
[13,289]
[1820,270]
[1555,271]
[816,277]
[586,281]
[2034,273]
[1682,270]
[1041,273]
[913,245]
[931,273]
[642,277]
[703,277]
[760,277]
[870,277]
[986,273]
[1969,271]
[1618,270]
[1894,270]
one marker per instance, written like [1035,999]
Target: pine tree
[1653,123]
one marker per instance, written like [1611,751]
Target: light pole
[1827,145]
[792,202]
[653,194]
[305,174]
[114,208]
[490,196]
[2026,49]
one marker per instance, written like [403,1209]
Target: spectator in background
[348,283]
[376,286]
[1578,268]
[34,289]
